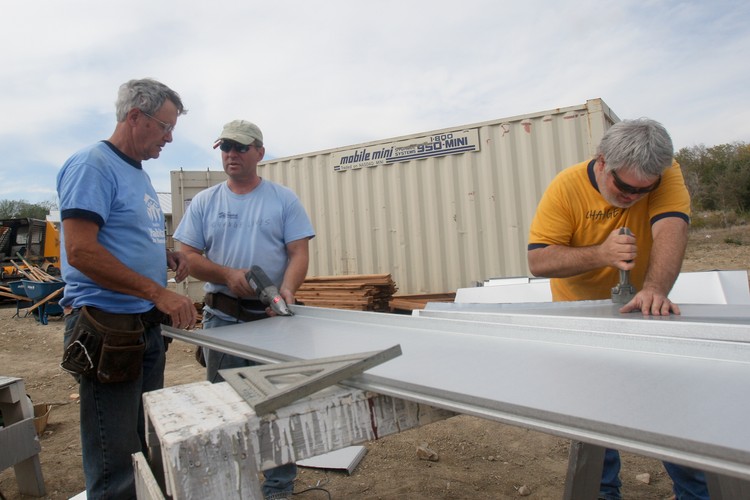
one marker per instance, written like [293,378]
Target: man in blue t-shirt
[230,227]
[114,263]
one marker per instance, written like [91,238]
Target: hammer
[623,292]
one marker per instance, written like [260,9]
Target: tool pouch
[81,355]
[106,345]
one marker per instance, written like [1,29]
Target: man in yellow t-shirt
[634,182]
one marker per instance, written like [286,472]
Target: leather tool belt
[105,346]
[242,309]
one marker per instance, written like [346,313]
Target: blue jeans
[113,423]
[687,483]
[278,480]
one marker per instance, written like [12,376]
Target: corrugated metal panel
[165,202]
[439,223]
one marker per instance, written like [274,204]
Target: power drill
[266,291]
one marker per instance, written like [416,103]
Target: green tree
[20,209]
[718,177]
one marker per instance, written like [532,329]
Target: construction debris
[524,490]
[425,453]
[32,272]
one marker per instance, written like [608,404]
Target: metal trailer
[437,210]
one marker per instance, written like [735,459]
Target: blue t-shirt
[243,230]
[101,184]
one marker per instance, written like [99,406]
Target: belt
[236,308]
[155,317]
[149,318]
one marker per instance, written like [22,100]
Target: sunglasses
[626,188]
[227,146]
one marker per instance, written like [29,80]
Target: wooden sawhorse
[18,440]
[205,441]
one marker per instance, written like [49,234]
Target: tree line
[717,177]
[22,209]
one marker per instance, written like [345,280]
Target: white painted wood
[211,443]
[146,487]
[205,441]
[18,440]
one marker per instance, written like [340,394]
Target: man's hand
[651,302]
[178,262]
[288,297]
[619,250]
[179,308]
[237,282]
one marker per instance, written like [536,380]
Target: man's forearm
[204,270]
[108,272]
[668,250]
[295,274]
[296,269]
[558,261]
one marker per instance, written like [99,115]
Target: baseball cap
[240,131]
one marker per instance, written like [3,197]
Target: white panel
[706,287]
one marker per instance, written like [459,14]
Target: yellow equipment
[37,241]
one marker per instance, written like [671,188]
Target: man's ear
[599,165]
[132,116]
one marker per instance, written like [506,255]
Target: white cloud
[318,75]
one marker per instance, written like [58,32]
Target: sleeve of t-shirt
[190,229]
[671,198]
[297,224]
[84,191]
[552,223]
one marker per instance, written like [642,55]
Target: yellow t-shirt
[573,213]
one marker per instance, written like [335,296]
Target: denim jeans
[609,489]
[687,483]
[113,423]
[279,480]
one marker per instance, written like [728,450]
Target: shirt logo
[599,215]
[152,208]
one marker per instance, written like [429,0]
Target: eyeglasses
[227,146]
[626,188]
[166,127]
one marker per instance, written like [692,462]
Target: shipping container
[437,210]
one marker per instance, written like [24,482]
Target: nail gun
[266,291]
[623,292]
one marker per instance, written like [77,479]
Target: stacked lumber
[360,292]
[411,302]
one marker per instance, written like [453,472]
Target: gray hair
[641,146]
[147,95]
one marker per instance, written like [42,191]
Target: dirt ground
[478,459]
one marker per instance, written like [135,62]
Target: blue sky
[316,75]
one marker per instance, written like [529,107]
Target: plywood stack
[405,303]
[361,292]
